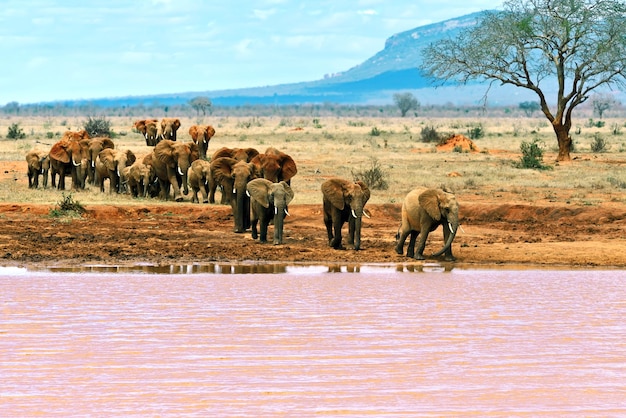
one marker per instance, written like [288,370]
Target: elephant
[234,176]
[171,161]
[201,135]
[169,126]
[38,163]
[269,201]
[95,146]
[115,160]
[423,210]
[275,165]
[239,154]
[139,177]
[69,156]
[344,201]
[148,128]
[199,174]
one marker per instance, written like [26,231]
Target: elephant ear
[334,190]
[130,157]
[259,191]
[107,143]
[209,132]
[107,157]
[193,132]
[222,168]
[222,152]
[288,167]
[365,190]
[176,123]
[288,192]
[164,151]
[429,200]
[59,152]
[252,152]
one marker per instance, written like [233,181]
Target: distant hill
[374,81]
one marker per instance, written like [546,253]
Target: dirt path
[505,234]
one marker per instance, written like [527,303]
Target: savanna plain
[572,214]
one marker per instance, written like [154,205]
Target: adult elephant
[69,157]
[115,160]
[96,145]
[423,210]
[201,135]
[344,201]
[148,128]
[199,174]
[169,126]
[234,176]
[269,201]
[139,177]
[171,161]
[239,154]
[38,163]
[275,165]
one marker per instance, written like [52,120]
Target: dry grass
[326,147]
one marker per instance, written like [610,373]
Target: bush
[599,144]
[15,132]
[476,132]
[532,156]
[98,126]
[67,206]
[375,131]
[374,177]
[430,134]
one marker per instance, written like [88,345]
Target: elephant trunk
[239,209]
[448,243]
[279,216]
[357,233]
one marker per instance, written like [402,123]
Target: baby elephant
[269,201]
[423,211]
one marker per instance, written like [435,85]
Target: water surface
[339,340]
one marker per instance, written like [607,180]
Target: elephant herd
[256,185]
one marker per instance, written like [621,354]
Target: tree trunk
[564,140]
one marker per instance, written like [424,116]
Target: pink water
[307,342]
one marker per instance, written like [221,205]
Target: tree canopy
[201,104]
[571,47]
[405,102]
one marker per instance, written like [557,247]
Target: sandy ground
[502,233]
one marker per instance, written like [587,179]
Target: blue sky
[82,49]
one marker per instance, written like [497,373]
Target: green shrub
[15,132]
[430,134]
[375,177]
[532,156]
[375,131]
[67,207]
[99,126]
[476,132]
[599,144]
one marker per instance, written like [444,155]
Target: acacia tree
[602,103]
[201,104]
[405,102]
[576,46]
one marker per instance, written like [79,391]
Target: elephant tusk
[248,193]
[462,230]
[275,210]
[118,172]
[353,214]
[450,226]
[76,165]
[93,163]
[287,213]
[366,215]
[180,171]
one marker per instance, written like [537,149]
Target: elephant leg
[421,244]
[337,224]
[351,231]
[329,229]
[401,238]
[253,229]
[410,249]
[204,189]
[264,223]
[194,195]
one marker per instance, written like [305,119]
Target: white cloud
[263,14]
[368,12]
